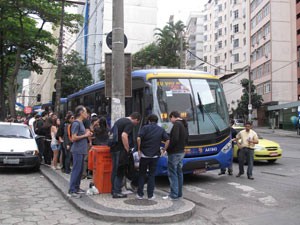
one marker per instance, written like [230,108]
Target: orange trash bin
[91,159]
[102,168]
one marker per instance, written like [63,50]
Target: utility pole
[249,96]
[59,60]
[118,62]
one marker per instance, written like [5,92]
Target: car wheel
[36,168]
[271,161]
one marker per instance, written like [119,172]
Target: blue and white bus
[197,96]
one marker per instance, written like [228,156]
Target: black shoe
[239,174]
[230,173]
[119,196]
[221,173]
[250,178]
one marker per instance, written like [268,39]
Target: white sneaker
[152,198]
[139,197]
[169,198]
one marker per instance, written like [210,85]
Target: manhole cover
[143,202]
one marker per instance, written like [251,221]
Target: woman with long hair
[54,142]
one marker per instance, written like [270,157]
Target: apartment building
[140,21]
[195,41]
[225,36]
[273,55]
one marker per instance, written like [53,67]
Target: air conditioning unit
[264,37]
[253,45]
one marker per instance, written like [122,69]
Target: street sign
[249,106]
[27,110]
[109,40]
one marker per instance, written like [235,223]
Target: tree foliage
[75,74]
[24,41]
[166,50]
[256,99]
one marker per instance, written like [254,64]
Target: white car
[18,147]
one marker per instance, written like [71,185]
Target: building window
[220,44]
[267,88]
[235,43]
[236,28]
[220,32]
[219,19]
[220,7]
[236,14]
[236,57]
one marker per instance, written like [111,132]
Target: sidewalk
[280,132]
[127,210]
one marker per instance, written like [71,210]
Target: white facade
[195,41]
[226,46]
[273,55]
[140,21]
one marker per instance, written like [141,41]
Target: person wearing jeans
[149,141]
[79,150]
[178,139]
[246,140]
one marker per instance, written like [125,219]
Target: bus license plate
[199,171]
[11,161]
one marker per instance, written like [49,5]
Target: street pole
[59,60]
[249,94]
[118,62]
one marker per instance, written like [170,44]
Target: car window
[13,131]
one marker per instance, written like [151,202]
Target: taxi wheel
[271,161]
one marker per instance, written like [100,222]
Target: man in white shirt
[246,140]
[31,121]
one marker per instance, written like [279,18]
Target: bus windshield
[200,101]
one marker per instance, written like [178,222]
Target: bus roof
[170,73]
[150,74]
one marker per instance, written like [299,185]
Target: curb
[183,209]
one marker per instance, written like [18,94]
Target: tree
[166,50]
[24,41]
[75,74]
[256,99]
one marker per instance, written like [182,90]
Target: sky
[179,8]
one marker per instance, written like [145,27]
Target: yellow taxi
[264,150]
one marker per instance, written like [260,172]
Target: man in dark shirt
[149,141]
[178,140]
[120,150]
[233,137]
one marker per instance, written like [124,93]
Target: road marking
[202,192]
[269,201]
[252,192]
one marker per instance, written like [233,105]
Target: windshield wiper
[203,110]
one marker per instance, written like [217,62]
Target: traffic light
[38,97]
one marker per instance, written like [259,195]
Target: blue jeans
[249,154]
[175,174]
[150,164]
[116,175]
[78,160]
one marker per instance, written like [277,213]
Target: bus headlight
[226,148]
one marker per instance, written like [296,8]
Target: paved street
[273,197]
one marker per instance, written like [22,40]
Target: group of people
[70,140]
[148,146]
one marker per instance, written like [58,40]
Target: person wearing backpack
[79,150]
[120,150]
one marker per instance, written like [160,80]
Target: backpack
[69,132]
[113,136]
